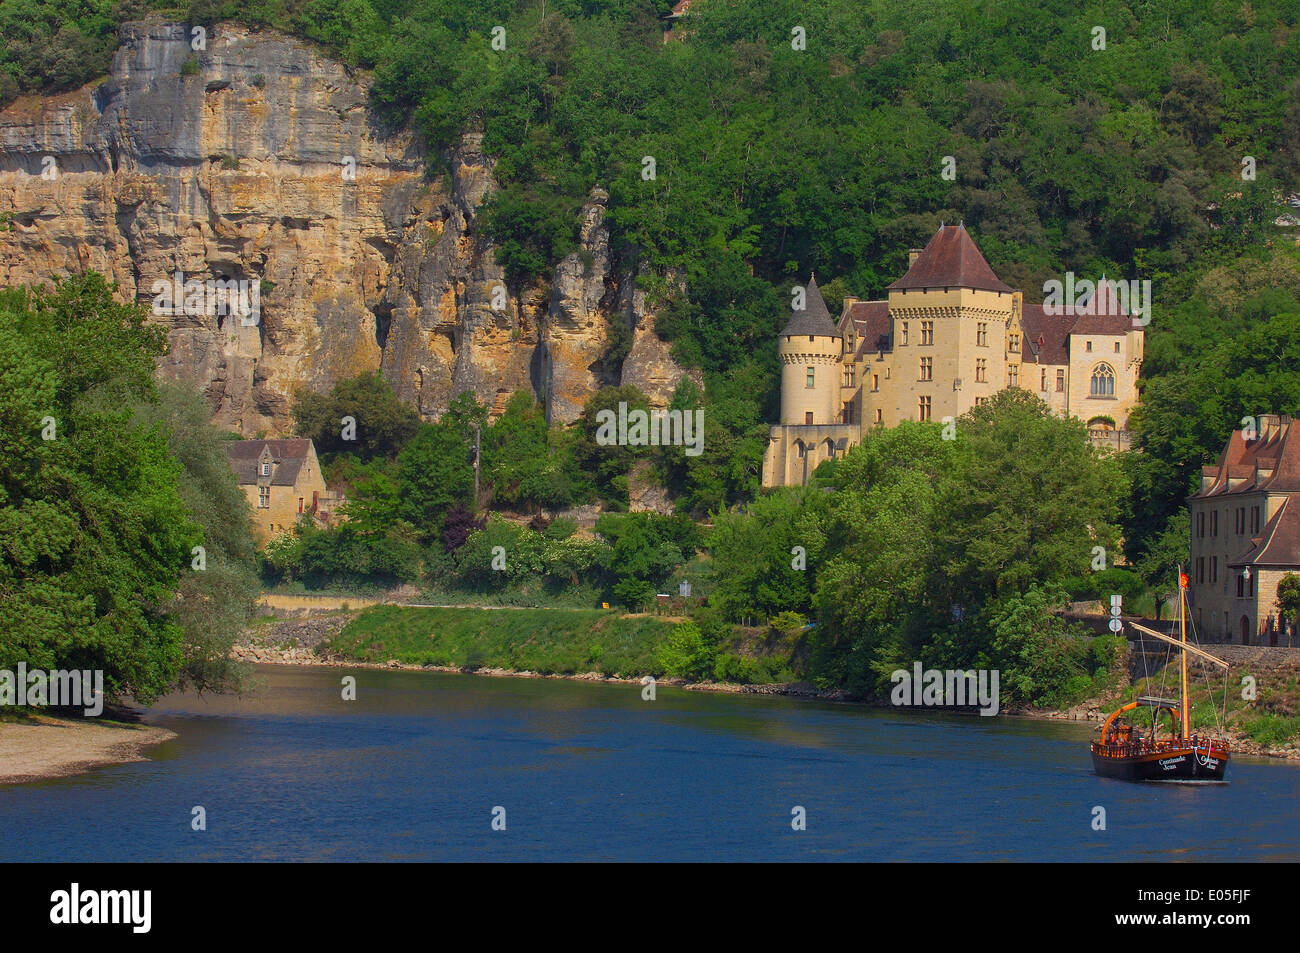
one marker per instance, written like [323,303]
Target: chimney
[912,255]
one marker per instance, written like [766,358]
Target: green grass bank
[550,641]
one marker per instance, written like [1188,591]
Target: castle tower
[956,332]
[809,348]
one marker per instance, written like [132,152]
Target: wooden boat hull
[1175,764]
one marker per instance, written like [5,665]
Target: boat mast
[1182,625]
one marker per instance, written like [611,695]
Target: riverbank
[44,747]
[394,640]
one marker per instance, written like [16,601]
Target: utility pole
[478,432]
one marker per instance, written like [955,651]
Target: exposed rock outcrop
[258,160]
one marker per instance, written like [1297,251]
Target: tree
[1288,599]
[434,473]
[218,591]
[1159,568]
[383,424]
[93,529]
[760,570]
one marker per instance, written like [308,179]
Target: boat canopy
[1151,701]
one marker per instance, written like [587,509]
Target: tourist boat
[1124,753]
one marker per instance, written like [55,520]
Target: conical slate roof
[951,260]
[814,319]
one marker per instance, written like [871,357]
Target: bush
[685,653]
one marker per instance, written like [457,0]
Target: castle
[948,337]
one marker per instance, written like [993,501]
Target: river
[414,767]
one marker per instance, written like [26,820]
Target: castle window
[927,369]
[904,341]
[266,469]
[1250,585]
[1254,519]
[1103,382]
[1116,347]
[924,411]
[1042,379]
[1214,522]
[807,417]
[1200,525]
[1241,587]
[848,375]
[981,370]
[1214,569]
[264,497]
[846,416]
[1060,381]
[1013,375]
[980,401]
[875,382]
[300,504]
[1013,343]
[880,416]
[927,332]
[982,334]
[1240,522]
[810,380]
[1087,346]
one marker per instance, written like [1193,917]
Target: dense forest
[787,137]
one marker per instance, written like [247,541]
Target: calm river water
[413,769]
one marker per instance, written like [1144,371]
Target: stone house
[283,481]
[1245,535]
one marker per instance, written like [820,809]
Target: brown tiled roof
[289,454]
[872,325]
[951,260]
[814,319]
[1278,543]
[1046,336]
[1241,459]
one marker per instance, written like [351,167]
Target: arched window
[1103,381]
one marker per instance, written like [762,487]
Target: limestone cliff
[257,159]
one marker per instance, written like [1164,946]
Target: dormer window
[266,469]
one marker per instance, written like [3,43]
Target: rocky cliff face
[257,160]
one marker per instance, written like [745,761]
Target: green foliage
[926,538]
[346,555]
[216,601]
[434,473]
[685,653]
[383,423]
[644,550]
[94,531]
[565,641]
[607,465]
[1043,659]
[1288,597]
[1271,730]
[528,464]
[754,558]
